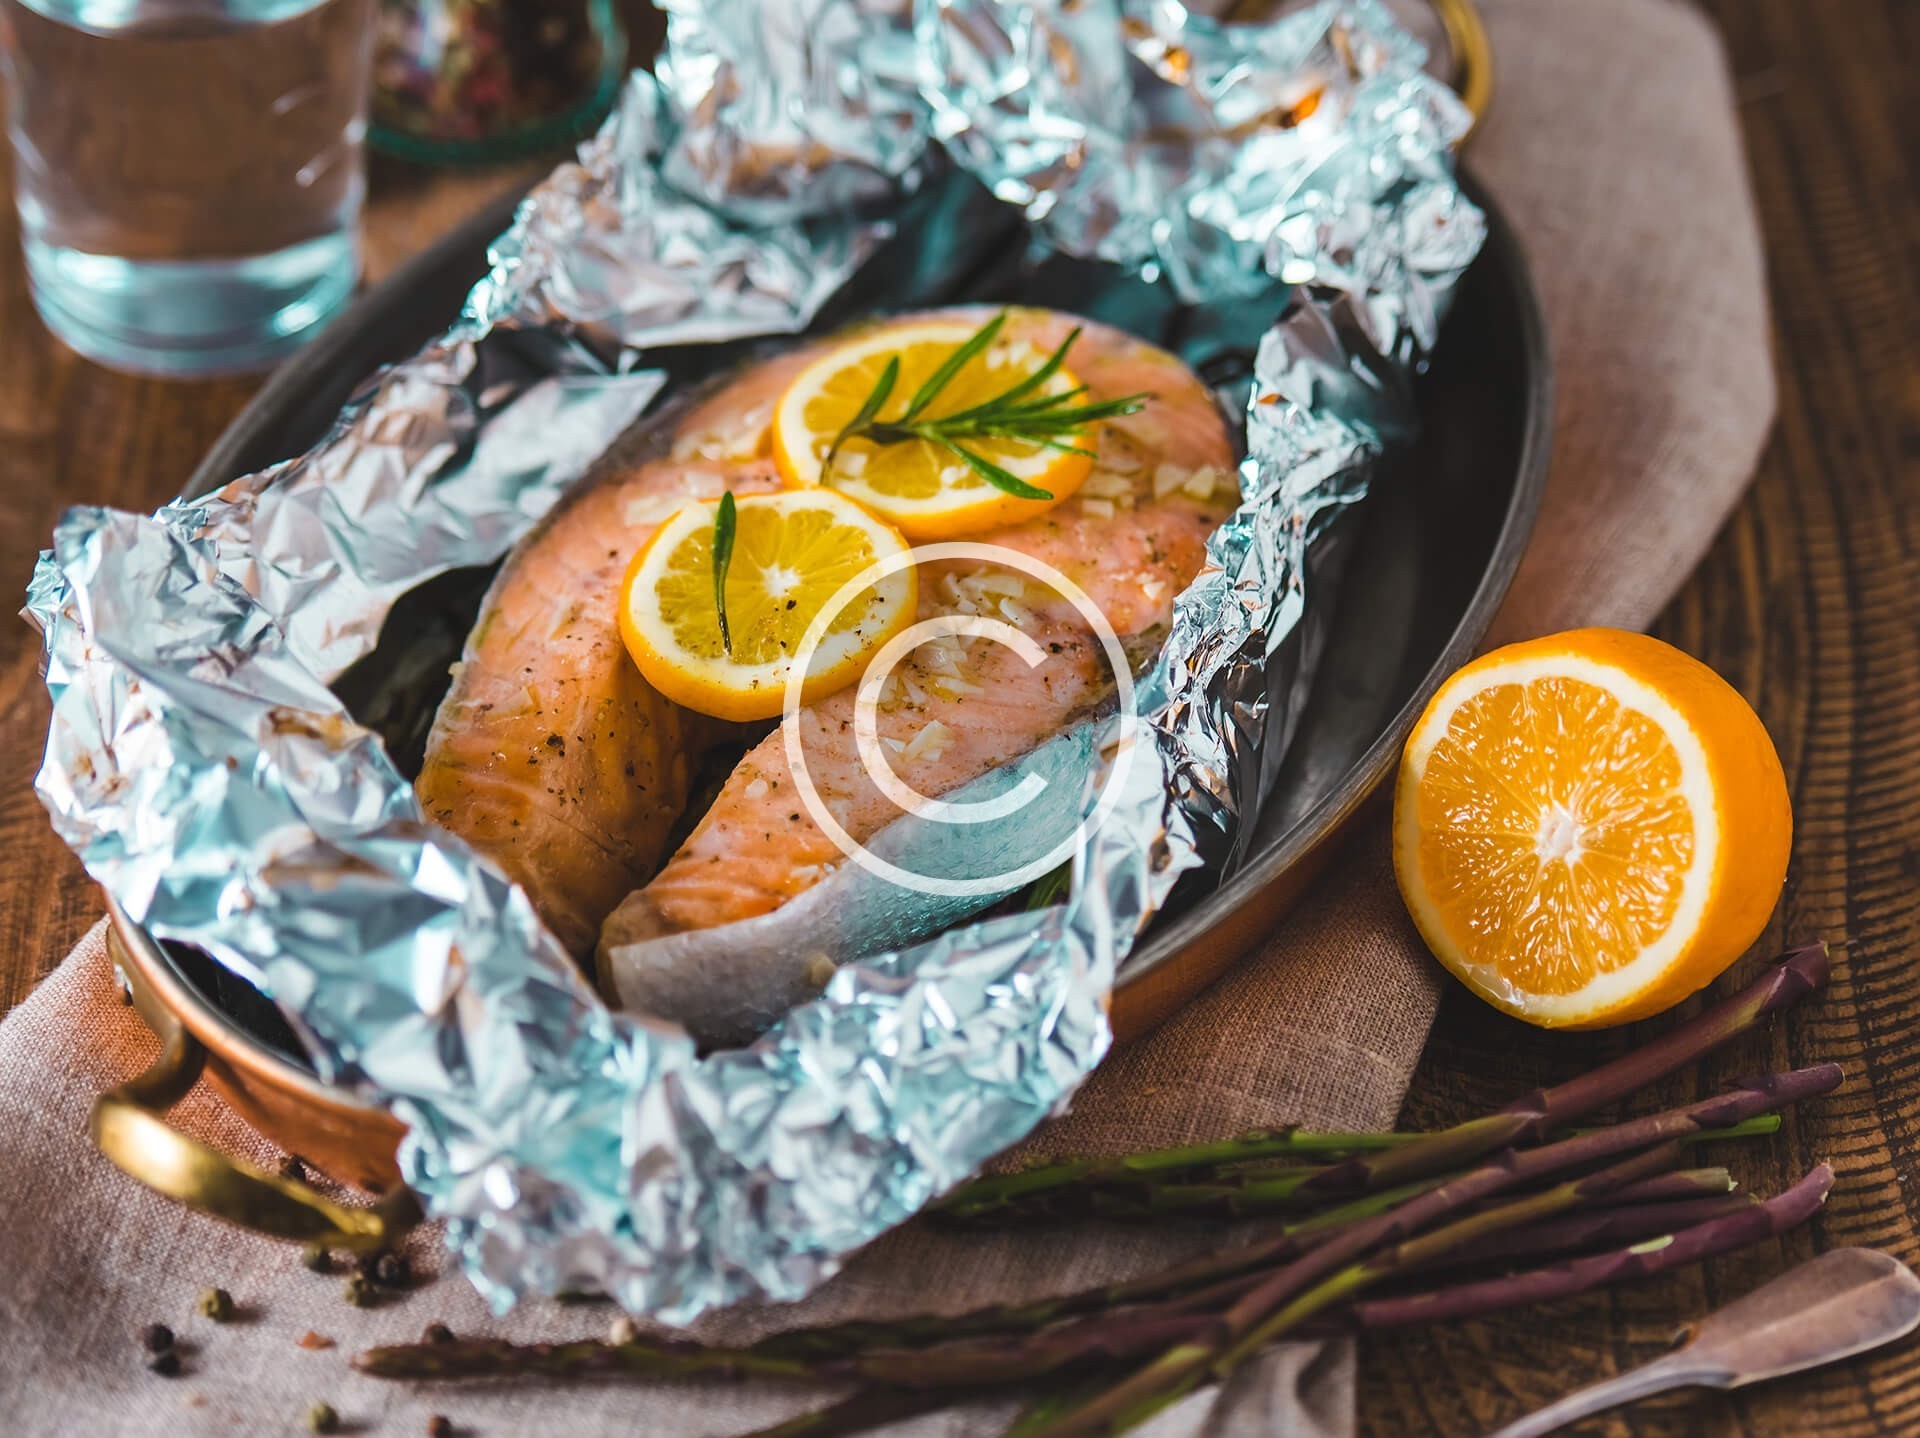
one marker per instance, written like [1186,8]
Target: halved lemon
[792,553]
[1589,827]
[926,489]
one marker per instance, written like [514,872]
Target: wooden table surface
[1809,603]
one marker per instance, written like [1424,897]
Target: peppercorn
[360,1291]
[390,1270]
[156,1338]
[437,1333]
[292,1168]
[166,1364]
[217,1304]
[322,1419]
[439,1426]
[317,1257]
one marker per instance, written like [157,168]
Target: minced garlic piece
[933,740]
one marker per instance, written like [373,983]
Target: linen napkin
[1613,147]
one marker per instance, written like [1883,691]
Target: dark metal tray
[1429,561]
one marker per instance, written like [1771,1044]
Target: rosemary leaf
[724,524]
[1031,383]
[994,475]
[951,366]
[863,418]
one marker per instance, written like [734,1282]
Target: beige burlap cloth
[1613,146]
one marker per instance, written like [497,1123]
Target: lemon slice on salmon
[928,490]
[791,553]
[1589,827]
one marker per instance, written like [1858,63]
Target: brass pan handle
[1471,54]
[126,1126]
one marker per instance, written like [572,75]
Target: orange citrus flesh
[1589,827]
[792,553]
[925,489]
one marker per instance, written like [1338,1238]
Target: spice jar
[464,81]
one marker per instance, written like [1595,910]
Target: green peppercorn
[317,1257]
[360,1291]
[322,1419]
[217,1304]
[390,1270]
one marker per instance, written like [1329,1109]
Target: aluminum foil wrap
[209,778]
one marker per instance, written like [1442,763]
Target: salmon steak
[554,757]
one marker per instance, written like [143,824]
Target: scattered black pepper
[437,1333]
[291,1167]
[156,1338]
[167,1364]
[215,1303]
[360,1291]
[439,1426]
[322,1419]
[317,1257]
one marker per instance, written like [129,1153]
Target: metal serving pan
[1431,556]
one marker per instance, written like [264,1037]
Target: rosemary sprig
[724,524]
[1051,420]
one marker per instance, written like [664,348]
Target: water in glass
[189,172]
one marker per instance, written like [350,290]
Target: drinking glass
[189,172]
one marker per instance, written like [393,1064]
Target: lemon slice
[792,552]
[1589,827]
[925,489]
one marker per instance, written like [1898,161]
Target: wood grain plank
[1808,605]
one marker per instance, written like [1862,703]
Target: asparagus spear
[1026,1341]
[1244,1194]
[1784,982]
[1583,1232]
[1271,1307]
[1582,1275]
[985,1195]
[1683,1244]
[1383,1164]
[1204,1316]
[1683,1183]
